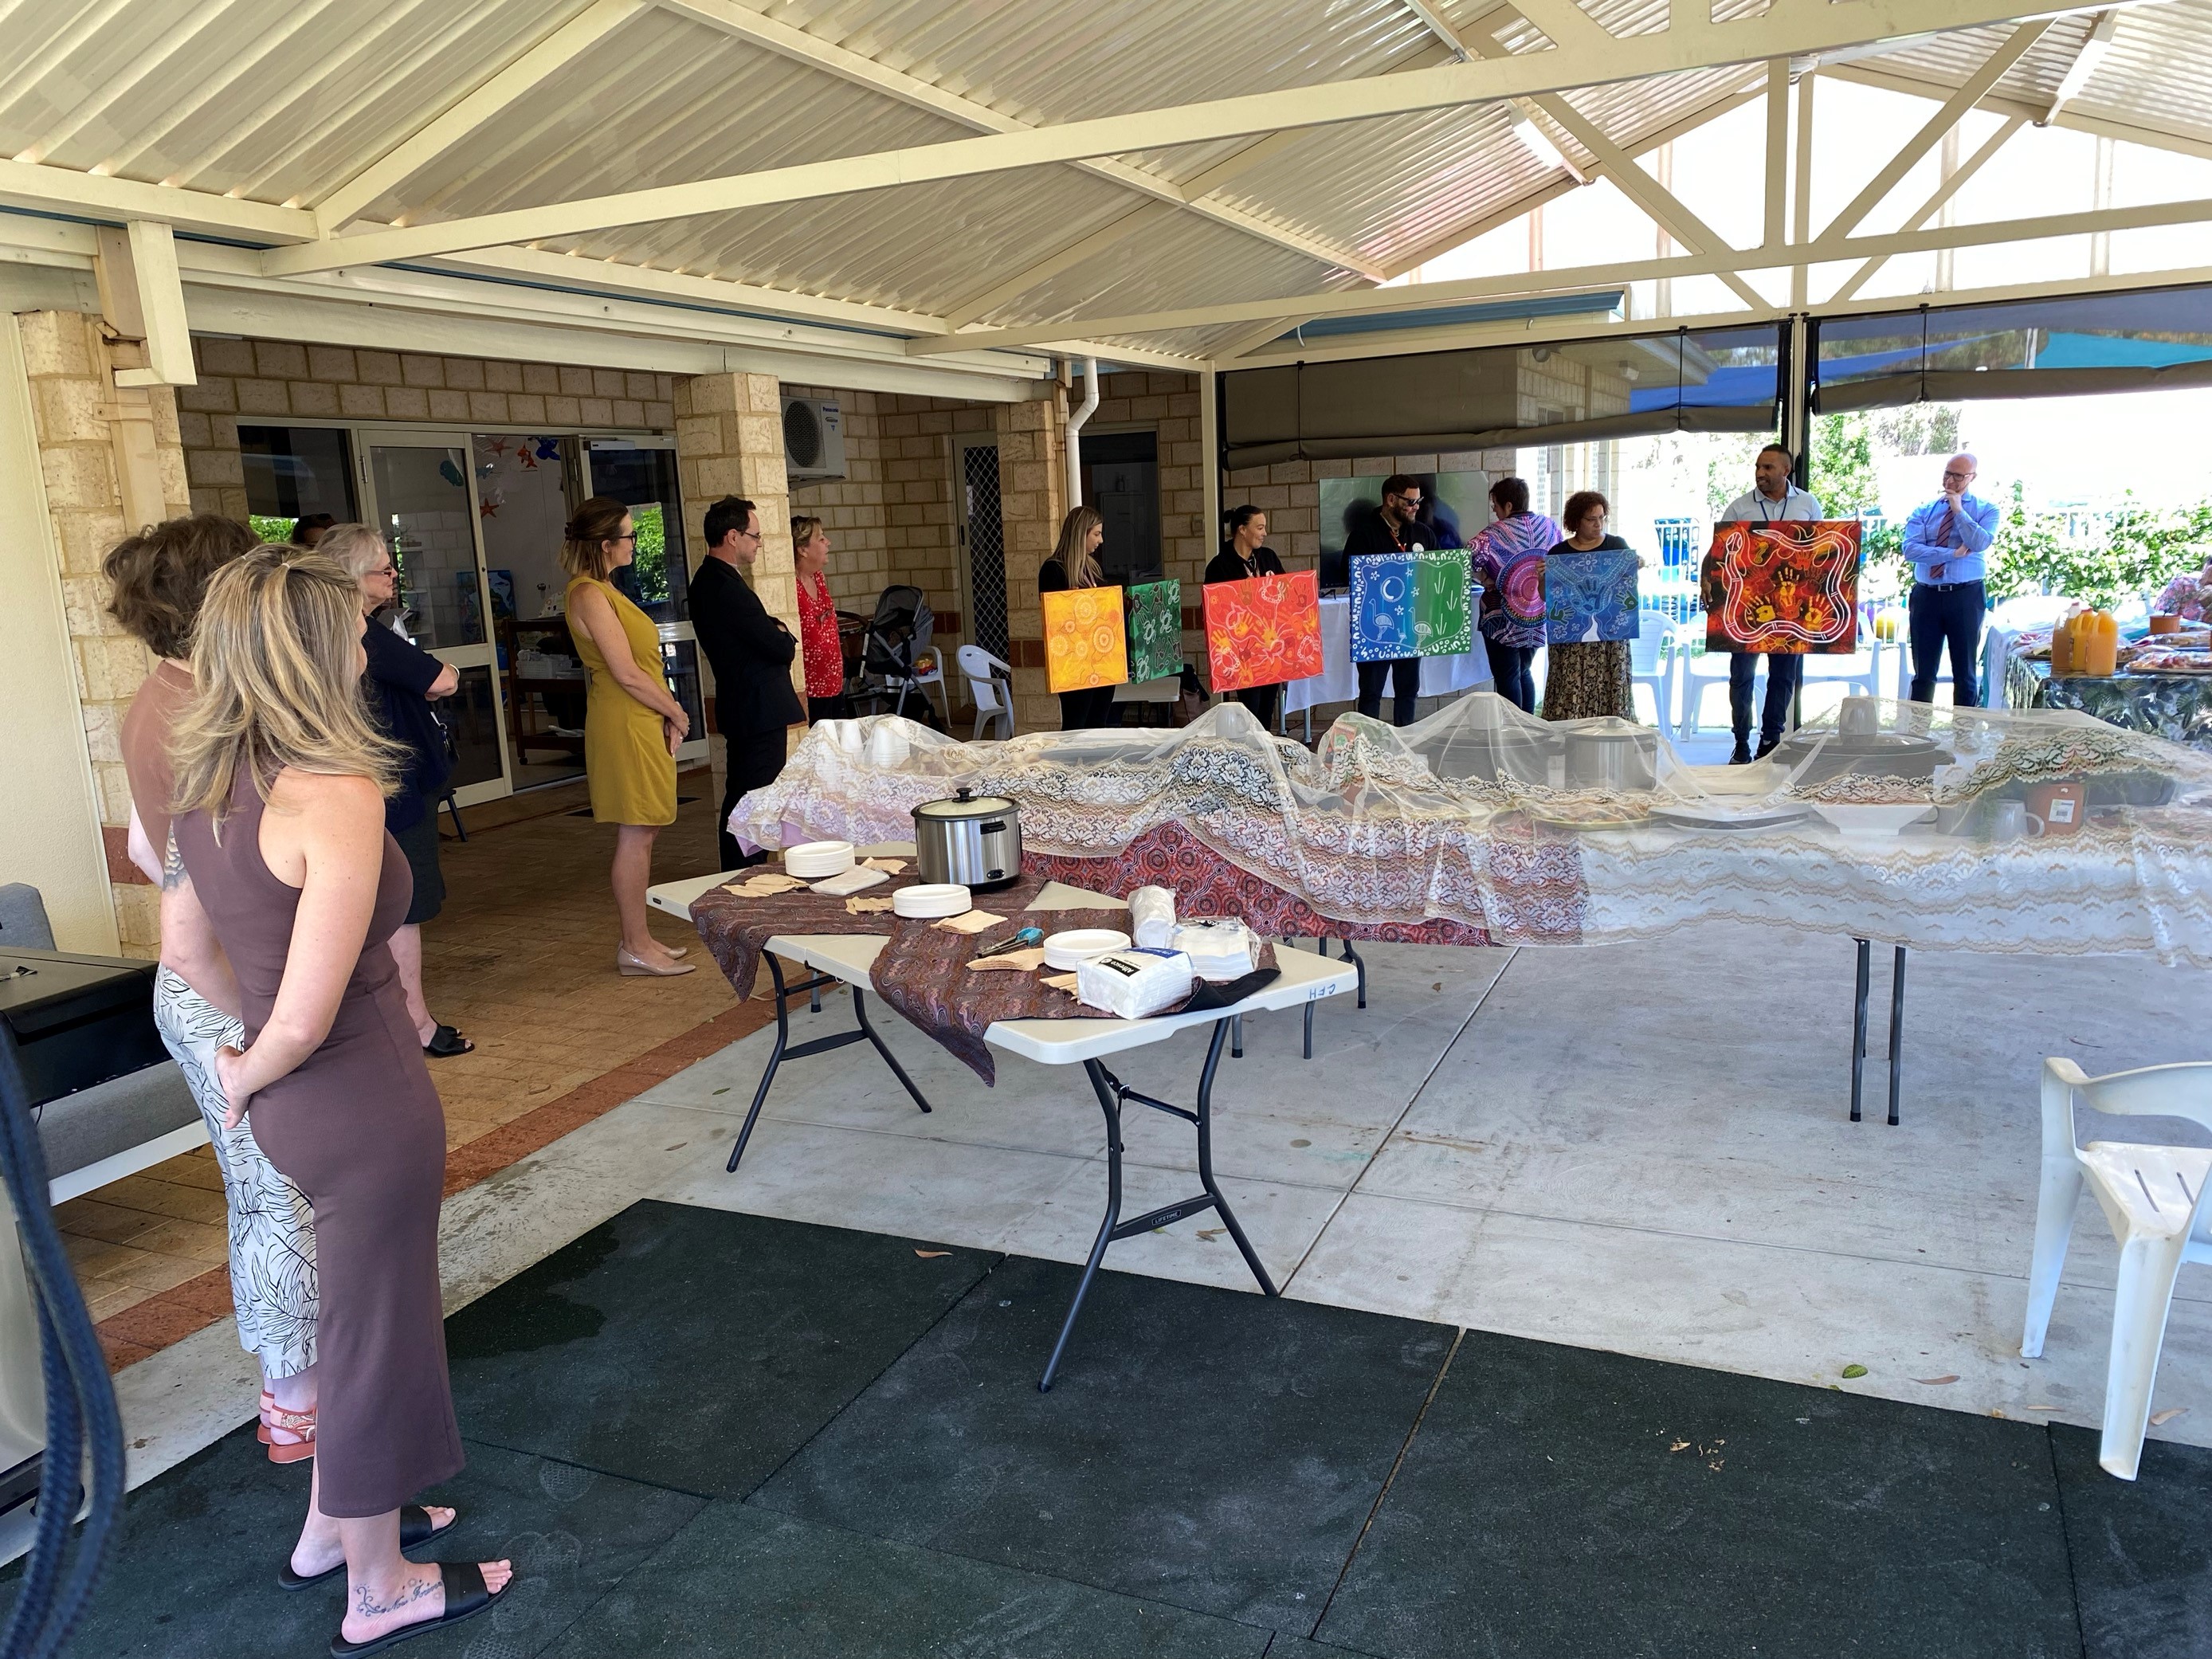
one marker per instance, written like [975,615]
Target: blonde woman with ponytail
[1074,564]
[280,780]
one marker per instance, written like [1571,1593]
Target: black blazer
[750,651]
[1227,567]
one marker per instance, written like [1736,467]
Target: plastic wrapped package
[1220,948]
[1152,917]
[1134,983]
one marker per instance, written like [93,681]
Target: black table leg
[1896,1031]
[1359,963]
[1237,1037]
[1112,1092]
[1310,1008]
[1858,1031]
[786,1049]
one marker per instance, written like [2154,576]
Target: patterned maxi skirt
[1586,681]
[272,1226]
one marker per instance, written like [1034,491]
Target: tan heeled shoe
[626,963]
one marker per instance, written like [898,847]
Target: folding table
[1304,979]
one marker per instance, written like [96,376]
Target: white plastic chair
[1651,658]
[2152,1196]
[1698,670]
[991,683]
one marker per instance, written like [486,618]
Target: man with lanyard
[1391,531]
[1945,541]
[1775,501]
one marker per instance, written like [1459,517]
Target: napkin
[1020,960]
[888,866]
[866,907]
[765,885]
[1061,983]
[971,921]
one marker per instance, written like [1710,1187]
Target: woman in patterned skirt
[1591,678]
[158,578]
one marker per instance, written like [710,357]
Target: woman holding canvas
[1589,678]
[1074,564]
[1242,556]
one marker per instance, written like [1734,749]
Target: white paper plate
[846,882]
[1873,820]
[932,900]
[1077,946]
[811,860]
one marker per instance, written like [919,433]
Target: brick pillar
[112,461]
[1032,501]
[729,442]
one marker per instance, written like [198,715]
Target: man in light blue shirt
[1775,499]
[1944,541]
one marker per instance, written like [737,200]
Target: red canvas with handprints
[1263,631]
[1788,587]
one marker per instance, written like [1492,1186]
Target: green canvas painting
[1155,612]
[1443,621]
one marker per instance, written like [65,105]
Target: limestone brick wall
[74,403]
[260,381]
[890,518]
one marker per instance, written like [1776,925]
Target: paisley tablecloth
[2175,706]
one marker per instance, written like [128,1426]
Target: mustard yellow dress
[626,759]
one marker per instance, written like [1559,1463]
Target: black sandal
[414,1528]
[466,1596]
[445,1043]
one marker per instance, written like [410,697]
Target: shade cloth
[1472,816]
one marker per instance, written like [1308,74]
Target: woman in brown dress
[1587,680]
[280,781]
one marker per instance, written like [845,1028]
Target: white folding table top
[675,896]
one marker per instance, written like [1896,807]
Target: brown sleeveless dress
[359,1127]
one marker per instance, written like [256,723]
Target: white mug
[2008,821]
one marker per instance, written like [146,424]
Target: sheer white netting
[1595,831]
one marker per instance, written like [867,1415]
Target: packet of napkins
[1134,983]
[1220,948]
[1151,918]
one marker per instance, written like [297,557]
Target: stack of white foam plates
[811,860]
[1071,949]
[931,900]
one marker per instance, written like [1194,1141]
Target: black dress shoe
[1741,757]
[1767,745]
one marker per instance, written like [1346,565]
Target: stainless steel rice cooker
[971,839]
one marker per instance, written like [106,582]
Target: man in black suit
[751,653]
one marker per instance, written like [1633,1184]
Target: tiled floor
[520,961]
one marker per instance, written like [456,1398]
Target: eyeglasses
[1953,472]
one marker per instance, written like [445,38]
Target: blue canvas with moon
[1382,608]
[1590,596]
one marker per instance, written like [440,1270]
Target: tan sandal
[301,1424]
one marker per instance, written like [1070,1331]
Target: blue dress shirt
[1946,546]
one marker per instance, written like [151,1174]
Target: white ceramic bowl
[811,860]
[1069,951]
[1886,820]
[932,900]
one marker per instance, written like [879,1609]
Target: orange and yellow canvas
[1085,644]
[1263,631]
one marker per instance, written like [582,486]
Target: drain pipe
[1076,417]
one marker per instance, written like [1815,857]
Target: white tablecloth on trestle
[1338,679]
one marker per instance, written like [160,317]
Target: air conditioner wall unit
[813,440]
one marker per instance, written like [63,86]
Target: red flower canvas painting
[1790,587]
[1264,631]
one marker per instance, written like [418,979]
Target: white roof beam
[2181,141]
[1789,29]
[96,195]
[1521,284]
[1933,205]
[1565,23]
[1951,113]
[579,35]
[142,297]
[2095,46]
[733,18]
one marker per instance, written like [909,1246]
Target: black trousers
[1938,615]
[1785,671]
[1509,672]
[755,757]
[1085,711]
[1403,674]
[1263,701]
[829,708]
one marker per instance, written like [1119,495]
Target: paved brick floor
[521,959]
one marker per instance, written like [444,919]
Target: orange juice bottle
[2097,644]
[2062,643]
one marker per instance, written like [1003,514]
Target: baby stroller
[897,660]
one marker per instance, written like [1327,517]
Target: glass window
[423,495]
[1121,480]
[292,472]
[643,479]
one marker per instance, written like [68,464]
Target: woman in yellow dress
[632,723]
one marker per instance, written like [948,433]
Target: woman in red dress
[818,644]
